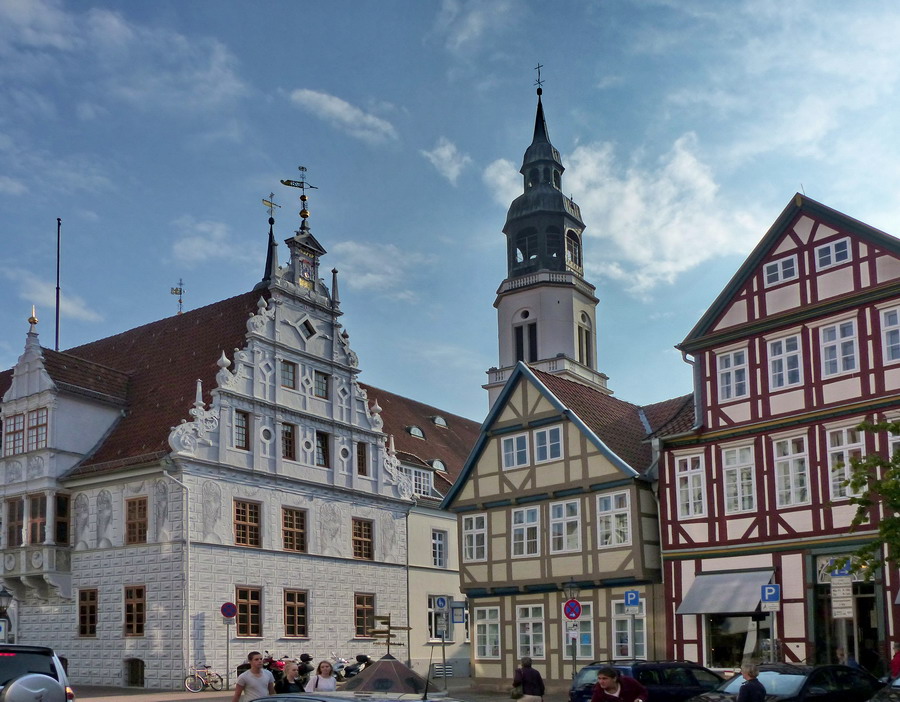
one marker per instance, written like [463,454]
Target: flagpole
[58,227]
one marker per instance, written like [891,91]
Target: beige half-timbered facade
[556,494]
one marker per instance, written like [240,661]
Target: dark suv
[666,681]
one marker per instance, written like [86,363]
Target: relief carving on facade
[212,511]
[104,519]
[349,355]
[397,476]
[82,516]
[161,508]
[257,322]
[35,467]
[331,517]
[187,436]
[13,472]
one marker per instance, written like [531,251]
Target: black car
[666,681]
[797,683]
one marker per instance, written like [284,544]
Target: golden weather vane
[303,185]
[270,204]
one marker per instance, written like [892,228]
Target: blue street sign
[440,602]
[770,593]
[632,598]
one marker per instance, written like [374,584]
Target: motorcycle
[338,665]
[304,668]
[270,663]
[362,662]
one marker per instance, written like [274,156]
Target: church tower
[546,310]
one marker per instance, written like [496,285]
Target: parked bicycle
[201,677]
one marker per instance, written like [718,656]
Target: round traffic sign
[572,609]
[229,609]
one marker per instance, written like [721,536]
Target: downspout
[186,531]
[698,410]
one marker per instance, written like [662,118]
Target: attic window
[416,432]
[438,464]
[439,420]
[422,480]
[308,329]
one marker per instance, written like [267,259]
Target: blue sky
[154,129]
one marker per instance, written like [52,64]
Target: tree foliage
[874,484]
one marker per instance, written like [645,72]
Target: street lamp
[571,590]
[6,598]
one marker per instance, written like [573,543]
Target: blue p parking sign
[770,597]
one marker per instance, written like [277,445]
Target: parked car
[23,669]
[889,693]
[799,683]
[666,681]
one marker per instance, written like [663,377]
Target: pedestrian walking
[530,681]
[255,682]
[612,686]
[323,680]
[752,689]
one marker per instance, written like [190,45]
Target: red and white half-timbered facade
[800,347]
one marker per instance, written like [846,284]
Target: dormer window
[438,464]
[422,480]
[439,420]
[19,427]
[416,431]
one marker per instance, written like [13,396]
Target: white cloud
[201,241]
[344,116]
[468,25]
[657,222]
[503,181]
[447,159]
[11,186]
[42,294]
[383,270]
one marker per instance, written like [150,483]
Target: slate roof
[151,371]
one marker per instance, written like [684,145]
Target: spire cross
[538,82]
[270,204]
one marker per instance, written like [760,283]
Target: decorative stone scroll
[187,437]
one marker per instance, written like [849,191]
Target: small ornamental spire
[271,269]
[304,186]
[32,320]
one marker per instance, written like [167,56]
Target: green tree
[875,481]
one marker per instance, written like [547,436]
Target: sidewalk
[457,688]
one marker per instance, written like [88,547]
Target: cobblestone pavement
[461,689]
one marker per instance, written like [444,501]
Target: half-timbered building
[801,346]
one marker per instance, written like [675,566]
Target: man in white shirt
[254,683]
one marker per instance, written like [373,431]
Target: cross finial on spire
[539,82]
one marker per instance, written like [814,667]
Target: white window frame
[792,486]
[831,251]
[525,527]
[839,342]
[842,445]
[565,526]
[514,450]
[739,472]
[422,480]
[530,631]
[474,537]
[487,633]
[544,442]
[780,271]
[613,519]
[585,642]
[734,380]
[890,334]
[785,360]
[690,486]
[633,627]
[439,550]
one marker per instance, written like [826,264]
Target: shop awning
[725,593]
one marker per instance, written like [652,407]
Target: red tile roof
[152,370]
[670,417]
[617,423]
[451,444]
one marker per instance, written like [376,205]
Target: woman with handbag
[528,685]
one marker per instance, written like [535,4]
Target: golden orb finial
[32,320]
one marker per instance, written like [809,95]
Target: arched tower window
[573,250]
[557,180]
[526,246]
[585,341]
[525,338]
[532,178]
